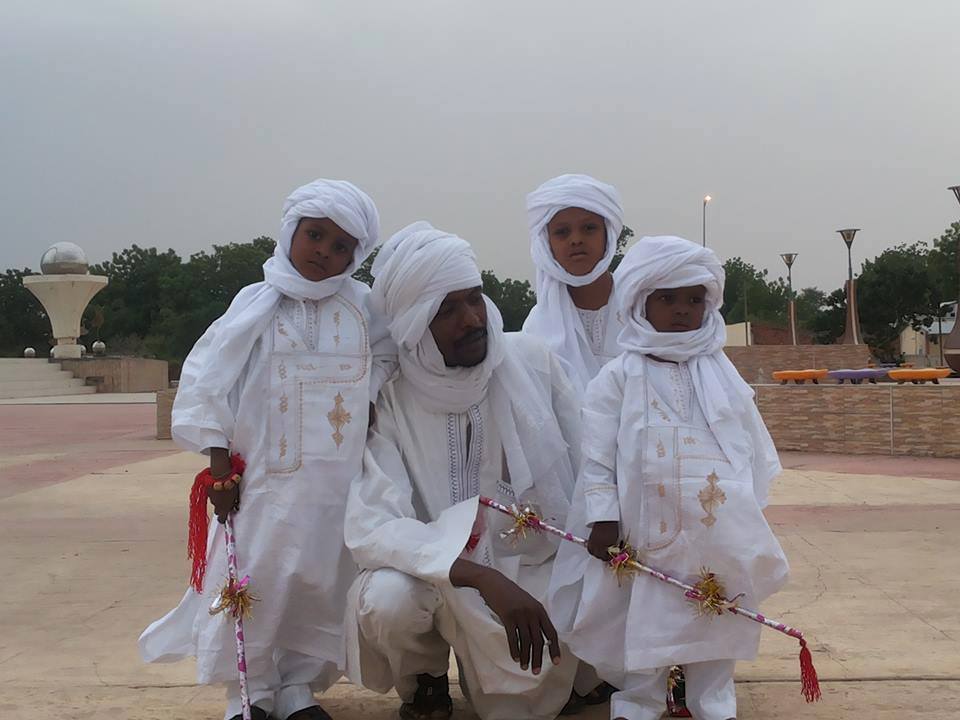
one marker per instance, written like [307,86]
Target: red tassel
[809,683]
[199,522]
[472,542]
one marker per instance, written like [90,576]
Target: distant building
[922,347]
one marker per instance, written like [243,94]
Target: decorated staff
[708,594]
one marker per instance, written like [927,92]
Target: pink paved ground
[896,466]
[45,444]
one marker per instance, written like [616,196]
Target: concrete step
[14,393]
[16,369]
[43,384]
[40,372]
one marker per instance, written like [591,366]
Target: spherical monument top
[64,258]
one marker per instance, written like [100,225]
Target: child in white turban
[677,462]
[284,379]
[575,222]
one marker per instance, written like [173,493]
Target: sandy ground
[93,518]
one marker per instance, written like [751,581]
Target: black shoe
[255,714]
[314,712]
[431,701]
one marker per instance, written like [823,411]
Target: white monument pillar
[65,288]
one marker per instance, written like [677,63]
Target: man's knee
[392,601]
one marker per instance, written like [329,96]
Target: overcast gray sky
[183,124]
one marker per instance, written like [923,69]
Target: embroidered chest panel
[319,383]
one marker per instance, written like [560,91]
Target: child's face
[578,239]
[677,309]
[321,249]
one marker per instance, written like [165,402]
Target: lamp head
[789,258]
[847,235]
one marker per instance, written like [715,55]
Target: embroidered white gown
[301,410]
[412,512]
[652,463]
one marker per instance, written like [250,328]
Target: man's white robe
[414,511]
[298,416]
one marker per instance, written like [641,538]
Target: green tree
[363,273]
[515,298]
[23,322]
[894,291]
[622,241]
[748,295]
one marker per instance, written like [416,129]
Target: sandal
[255,714]
[314,712]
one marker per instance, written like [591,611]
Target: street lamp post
[789,259]
[706,199]
[950,346]
[851,335]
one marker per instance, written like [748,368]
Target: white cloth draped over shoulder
[669,262]
[506,428]
[285,379]
[413,273]
[676,452]
[215,363]
[554,318]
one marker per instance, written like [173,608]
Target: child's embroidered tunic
[301,409]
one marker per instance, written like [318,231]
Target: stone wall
[755,363]
[884,419]
[120,374]
[164,411]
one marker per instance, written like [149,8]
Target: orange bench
[800,376]
[918,376]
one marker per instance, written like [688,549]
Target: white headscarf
[413,273]
[218,358]
[655,263]
[554,318]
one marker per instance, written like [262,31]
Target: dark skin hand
[224,495]
[524,619]
[602,536]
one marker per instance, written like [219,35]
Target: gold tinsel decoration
[622,557]
[525,519]
[710,595]
[235,599]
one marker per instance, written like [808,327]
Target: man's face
[677,309]
[321,249]
[460,328]
[578,239]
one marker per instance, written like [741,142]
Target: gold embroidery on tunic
[663,527]
[711,498]
[338,417]
[689,440]
[283,446]
[656,406]
[282,370]
[284,403]
[661,450]
[336,321]
[662,490]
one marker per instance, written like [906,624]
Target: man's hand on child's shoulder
[603,535]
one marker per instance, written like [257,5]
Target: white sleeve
[382,348]
[601,425]
[382,528]
[200,421]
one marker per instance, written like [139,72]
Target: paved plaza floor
[93,523]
